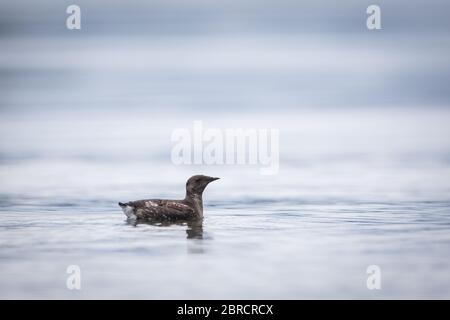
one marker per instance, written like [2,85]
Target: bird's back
[158,209]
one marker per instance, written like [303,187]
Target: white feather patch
[129,212]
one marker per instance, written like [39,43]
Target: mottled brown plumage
[191,207]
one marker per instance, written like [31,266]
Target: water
[364,178]
[260,250]
[340,203]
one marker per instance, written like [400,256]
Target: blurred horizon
[223,56]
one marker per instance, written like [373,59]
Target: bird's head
[197,184]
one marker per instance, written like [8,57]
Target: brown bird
[190,208]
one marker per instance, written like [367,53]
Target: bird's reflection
[194,228]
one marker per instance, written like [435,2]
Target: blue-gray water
[340,202]
[86,119]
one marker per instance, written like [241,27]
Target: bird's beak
[214,179]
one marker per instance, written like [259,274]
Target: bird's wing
[162,209]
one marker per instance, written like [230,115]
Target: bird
[189,208]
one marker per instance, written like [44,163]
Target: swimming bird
[189,208]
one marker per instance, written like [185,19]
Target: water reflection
[194,228]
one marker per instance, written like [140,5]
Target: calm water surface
[86,120]
[337,205]
[264,249]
